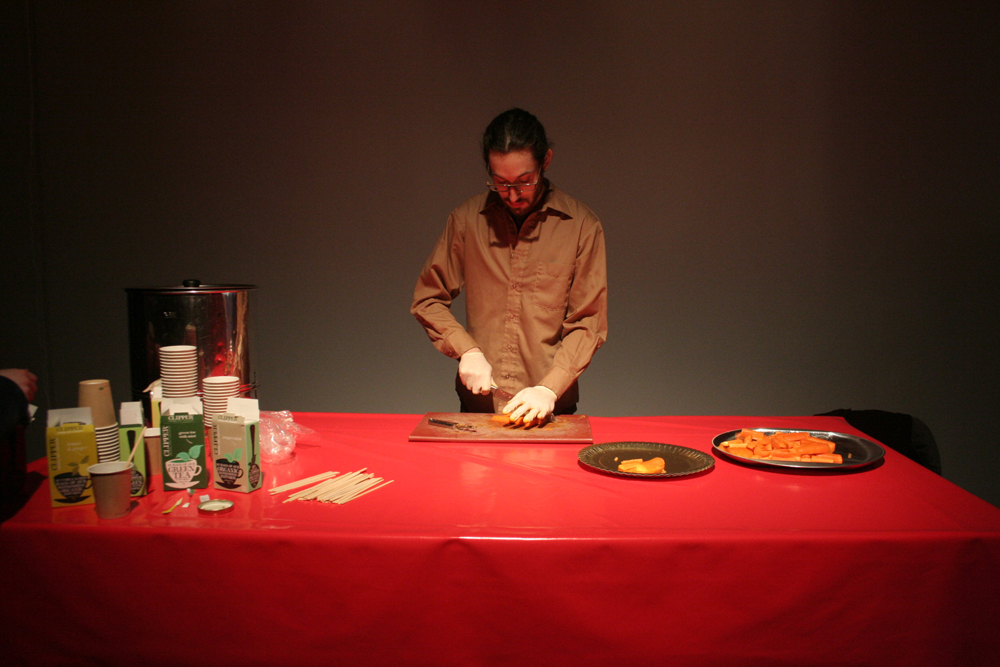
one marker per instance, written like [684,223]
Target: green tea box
[236,446]
[131,431]
[182,444]
[72,448]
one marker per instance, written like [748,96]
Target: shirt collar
[549,205]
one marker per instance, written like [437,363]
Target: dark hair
[515,130]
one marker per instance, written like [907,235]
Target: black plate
[857,451]
[678,460]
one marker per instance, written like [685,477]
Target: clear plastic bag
[278,433]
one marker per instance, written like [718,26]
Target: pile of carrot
[798,446]
[506,420]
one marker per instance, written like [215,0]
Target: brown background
[800,198]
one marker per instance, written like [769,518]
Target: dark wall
[800,198]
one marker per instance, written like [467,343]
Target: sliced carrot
[811,448]
[827,458]
[650,467]
[830,445]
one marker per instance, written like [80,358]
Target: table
[501,554]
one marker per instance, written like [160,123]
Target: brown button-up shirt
[536,298]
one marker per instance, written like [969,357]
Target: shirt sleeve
[13,408]
[585,327]
[441,280]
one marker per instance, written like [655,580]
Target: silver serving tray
[858,452]
[679,461]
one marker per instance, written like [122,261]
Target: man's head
[517,153]
[515,130]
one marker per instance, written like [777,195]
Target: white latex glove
[531,403]
[475,372]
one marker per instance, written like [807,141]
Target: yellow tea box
[72,448]
[131,437]
[182,444]
[235,446]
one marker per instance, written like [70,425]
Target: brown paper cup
[112,483]
[96,395]
[154,458]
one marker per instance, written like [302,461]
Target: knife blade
[500,397]
[448,424]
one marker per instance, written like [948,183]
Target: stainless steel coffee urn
[213,318]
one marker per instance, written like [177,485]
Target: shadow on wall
[904,433]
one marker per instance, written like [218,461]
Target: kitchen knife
[500,397]
[454,425]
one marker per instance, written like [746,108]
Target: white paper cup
[112,483]
[112,448]
[151,437]
[222,379]
[178,380]
[185,383]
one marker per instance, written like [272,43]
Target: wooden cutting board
[570,429]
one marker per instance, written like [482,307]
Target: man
[17,389]
[531,259]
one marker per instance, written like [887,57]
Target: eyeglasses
[519,188]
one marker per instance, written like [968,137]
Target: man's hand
[24,379]
[475,372]
[531,403]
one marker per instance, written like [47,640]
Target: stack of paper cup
[96,395]
[108,443]
[179,371]
[217,392]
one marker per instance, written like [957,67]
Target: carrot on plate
[781,446]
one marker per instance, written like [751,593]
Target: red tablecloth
[517,554]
